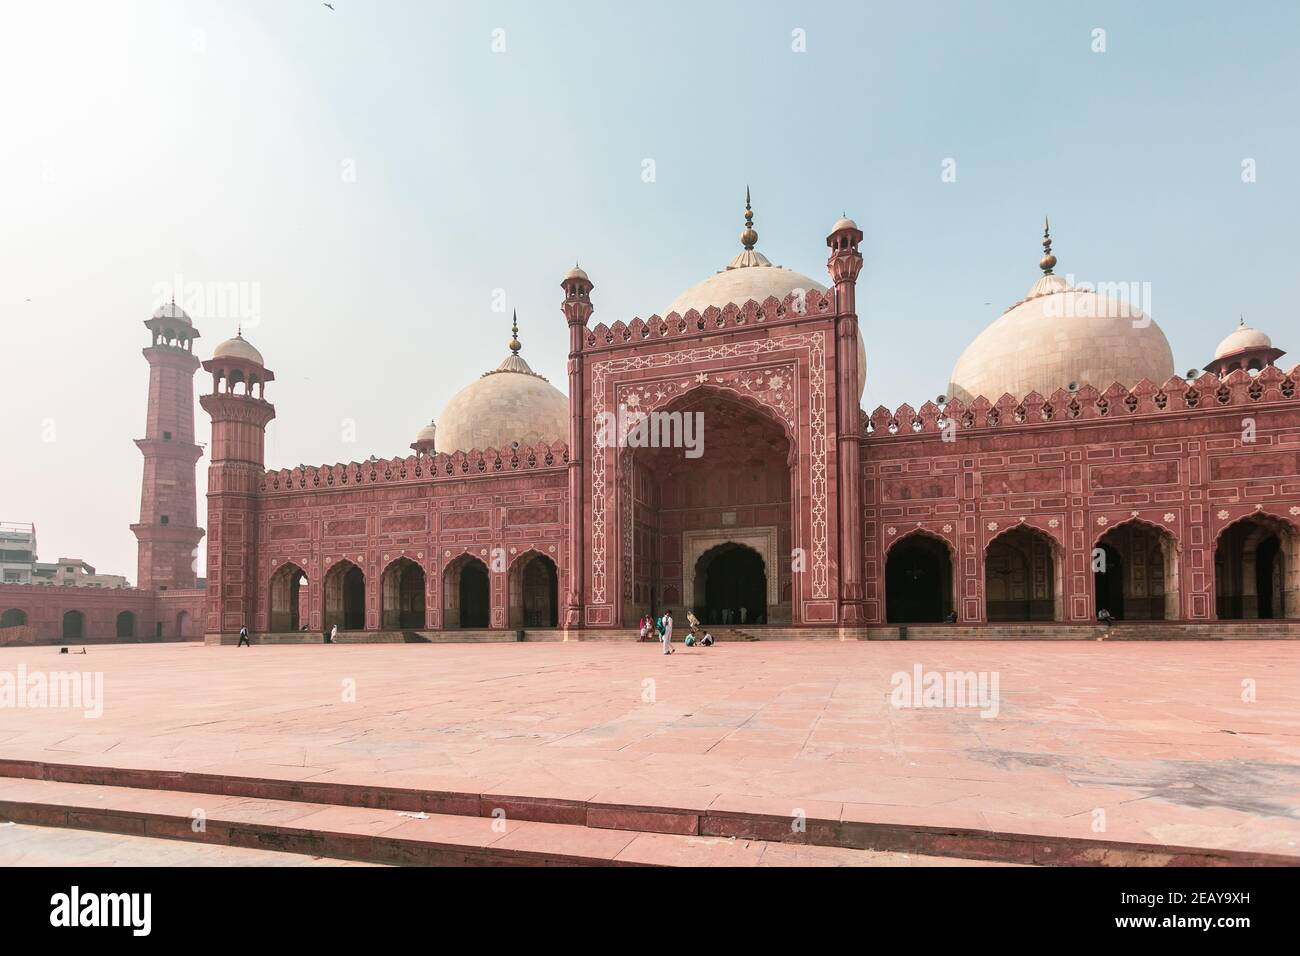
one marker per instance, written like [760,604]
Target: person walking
[667,622]
[243,637]
[744,614]
[334,634]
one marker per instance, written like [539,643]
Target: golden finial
[1048,262]
[514,334]
[748,238]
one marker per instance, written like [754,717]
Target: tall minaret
[577,310]
[240,414]
[168,531]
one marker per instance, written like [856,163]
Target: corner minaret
[240,414]
[168,534]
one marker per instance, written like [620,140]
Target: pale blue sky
[144,140]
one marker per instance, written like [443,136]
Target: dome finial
[748,238]
[514,334]
[1048,262]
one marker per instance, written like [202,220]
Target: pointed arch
[1146,585]
[1257,568]
[1023,575]
[401,595]
[533,598]
[286,590]
[345,596]
[920,578]
[466,593]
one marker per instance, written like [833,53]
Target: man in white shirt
[668,632]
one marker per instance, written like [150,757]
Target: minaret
[577,309]
[168,531]
[240,414]
[844,265]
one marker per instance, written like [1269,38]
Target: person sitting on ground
[1106,618]
[707,640]
[690,639]
[950,617]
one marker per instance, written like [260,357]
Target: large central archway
[1257,570]
[731,585]
[676,502]
[402,595]
[345,597]
[918,580]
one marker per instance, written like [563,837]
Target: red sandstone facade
[802,509]
[1186,494]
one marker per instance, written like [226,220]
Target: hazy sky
[369,176]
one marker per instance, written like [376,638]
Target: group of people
[662,628]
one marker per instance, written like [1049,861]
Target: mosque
[1068,469]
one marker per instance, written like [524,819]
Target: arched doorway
[74,626]
[918,581]
[1022,578]
[345,597]
[287,585]
[467,595]
[402,596]
[1135,573]
[183,624]
[1256,572]
[14,617]
[534,591]
[125,624]
[730,478]
[731,585]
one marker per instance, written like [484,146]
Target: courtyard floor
[1156,743]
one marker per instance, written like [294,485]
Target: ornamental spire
[1048,262]
[748,238]
[514,333]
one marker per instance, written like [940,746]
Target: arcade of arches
[740,483]
[466,593]
[1257,570]
[345,597]
[402,596]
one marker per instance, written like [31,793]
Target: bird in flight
[330,5]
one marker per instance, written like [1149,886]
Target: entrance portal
[1255,570]
[345,597]
[918,581]
[731,586]
[403,595]
[467,596]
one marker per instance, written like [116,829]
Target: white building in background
[17,552]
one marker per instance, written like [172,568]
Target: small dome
[844,223]
[1057,335]
[170,310]
[428,433]
[576,273]
[511,404]
[1243,339]
[239,348]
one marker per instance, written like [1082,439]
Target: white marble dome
[1242,339]
[238,347]
[751,276]
[170,310]
[510,404]
[1058,335]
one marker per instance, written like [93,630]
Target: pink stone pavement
[1150,742]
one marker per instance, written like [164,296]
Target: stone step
[887,829]
[395,837]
